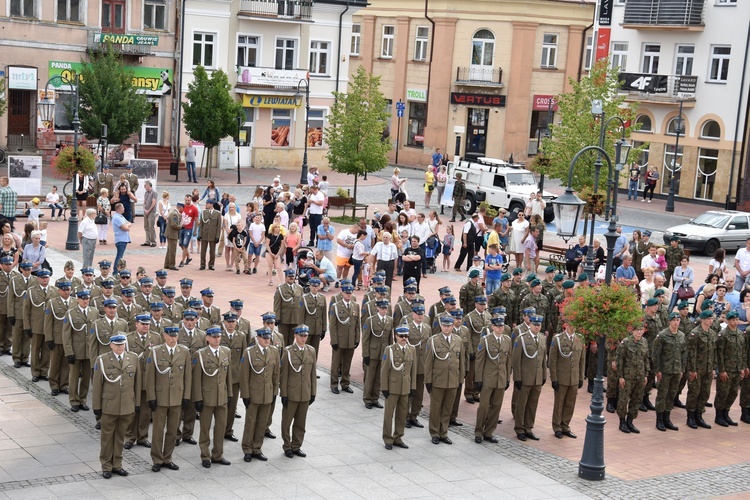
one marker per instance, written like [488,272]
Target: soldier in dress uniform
[172,310]
[419,334]
[104,180]
[403,308]
[139,343]
[298,383]
[208,309]
[6,331]
[445,365]
[504,297]
[80,321]
[345,330]
[236,342]
[33,320]
[259,383]
[654,325]
[438,307]
[158,322]
[469,290]
[277,341]
[116,397]
[161,283]
[107,292]
[168,382]
[370,308]
[87,282]
[398,381]
[632,368]
[209,222]
[376,335]
[529,350]
[567,363]
[313,313]
[212,390]
[469,355]
[104,328]
[243,325]
[409,282]
[128,309]
[286,301]
[125,282]
[450,304]
[668,358]
[55,314]
[19,284]
[378,279]
[732,363]
[523,327]
[132,180]
[203,322]
[340,296]
[194,339]
[145,298]
[186,290]
[105,270]
[701,361]
[491,379]
[478,322]
[745,384]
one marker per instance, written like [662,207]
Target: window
[651,58]
[726,2]
[711,130]
[420,44]
[316,121]
[23,8]
[69,11]
[356,40]
[675,124]
[113,16]
[739,222]
[247,50]
[203,49]
[672,162]
[246,132]
[645,122]
[549,50]
[641,161]
[319,57]
[705,174]
[719,65]
[619,55]
[386,46]
[286,53]
[540,121]
[589,57]
[281,121]
[154,14]
[63,117]
[417,122]
[684,60]
[482,56]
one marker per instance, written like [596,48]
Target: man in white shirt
[410,212]
[421,229]
[257,232]
[370,240]
[315,201]
[742,264]
[324,269]
[650,260]
[345,244]
[386,254]
[88,234]
[538,205]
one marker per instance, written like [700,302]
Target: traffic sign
[400,106]
[400,113]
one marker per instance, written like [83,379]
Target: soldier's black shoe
[633,428]
[624,426]
[455,423]
[647,403]
[491,439]
[248,457]
[408,424]
[642,408]
[289,454]
[446,440]
[570,434]
[177,442]
[590,387]
[84,407]
[368,406]
[98,426]
[127,446]
[145,443]
[558,434]
[270,435]
[611,403]
[691,420]
[699,420]
[260,456]
[521,437]
[106,474]
[17,364]
[660,422]
[65,391]
[436,440]
[708,405]
[532,436]
[745,415]
[347,389]
[221,461]
[668,422]
[388,446]
[478,439]
[416,423]
[75,408]
[231,437]
[120,472]
[55,392]
[719,420]
[678,403]
[171,466]
[470,400]
[156,468]
[190,440]
[401,445]
[237,415]
[206,464]
[728,419]
[35,378]
[377,404]
[335,390]
[299,453]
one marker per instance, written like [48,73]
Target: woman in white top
[386,254]
[647,285]
[162,209]
[718,265]
[520,230]
[403,224]
[396,183]
[231,218]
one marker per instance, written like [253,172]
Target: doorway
[150,132]
[476,132]
[21,114]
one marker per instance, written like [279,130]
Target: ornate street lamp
[303,175]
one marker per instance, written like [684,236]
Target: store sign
[269,77]
[271,101]
[419,95]
[542,102]
[126,39]
[478,99]
[22,78]
[602,43]
[640,82]
[154,81]
[686,87]
[605,12]
[418,138]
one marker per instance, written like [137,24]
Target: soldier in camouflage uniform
[632,366]
[536,299]
[668,356]
[745,385]
[504,297]
[556,295]
[519,288]
[613,385]
[674,255]
[663,310]
[701,360]
[732,363]
[686,326]
[548,283]
[522,292]
[468,291]
[478,324]
[654,325]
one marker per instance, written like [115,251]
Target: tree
[210,113]
[355,131]
[578,128]
[3,103]
[108,97]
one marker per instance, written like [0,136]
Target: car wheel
[513,210]
[470,205]
[711,247]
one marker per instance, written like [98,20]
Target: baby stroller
[432,250]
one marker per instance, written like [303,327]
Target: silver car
[712,230]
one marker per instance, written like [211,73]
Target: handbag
[685,292]
[100,219]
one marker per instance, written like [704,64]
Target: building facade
[474,78]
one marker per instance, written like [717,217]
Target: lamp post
[240,121]
[568,208]
[303,175]
[47,112]
[674,169]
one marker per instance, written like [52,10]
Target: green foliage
[108,96]
[610,311]
[578,128]
[3,103]
[355,131]
[67,162]
[490,211]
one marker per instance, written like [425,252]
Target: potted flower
[67,162]
[489,213]
[342,198]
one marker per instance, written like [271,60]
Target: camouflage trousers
[666,391]
[630,398]
[726,392]
[613,387]
[698,392]
[745,393]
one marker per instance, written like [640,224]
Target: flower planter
[339,201]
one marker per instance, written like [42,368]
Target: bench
[556,256]
[355,207]
[24,203]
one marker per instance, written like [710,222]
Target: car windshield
[711,219]
[521,178]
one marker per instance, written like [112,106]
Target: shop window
[203,49]
[386,46]
[645,122]
[356,40]
[246,131]
[705,174]
[549,50]
[711,130]
[641,161]
[417,122]
[316,127]
[319,56]
[23,8]
[281,122]
[286,53]
[113,16]
[672,163]
[420,43]
[63,117]
[247,50]
[69,11]
[155,15]
[540,121]
[719,64]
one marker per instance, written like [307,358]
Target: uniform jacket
[492,366]
[212,377]
[98,303]
[528,359]
[212,314]
[478,324]
[174,224]
[402,310]
[444,362]
[398,371]
[418,337]
[210,224]
[259,374]
[117,389]
[313,313]
[77,326]
[195,342]
[506,299]
[236,346]
[298,377]
[17,296]
[376,335]
[132,181]
[173,313]
[129,314]
[567,359]
[286,301]
[701,351]
[98,341]
[668,353]
[34,307]
[54,317]
[466,295]
[168,381]
[102,180]
[730,351]
[343,322]
[541,304]
[632,359]
[93,289]
[140,348]
[4,284]
[158,326]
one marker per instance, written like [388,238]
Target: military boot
[678,403]
[633,428]
[745,415]
[719,420]
[728,420]
[624,426]
[647,403]
[699,420]
[590,387]
[691,420]
[611,404]
[668,422]
[660,421]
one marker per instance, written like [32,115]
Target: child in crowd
[34,212]
[448,240]
[43,230]
[404,236]
[366,271]
[478,265]
[323,186]
[661,260]
[238,237]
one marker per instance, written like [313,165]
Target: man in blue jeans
[122,233]
[190,154]
[635,174]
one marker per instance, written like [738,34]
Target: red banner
[541,103]
[602,43]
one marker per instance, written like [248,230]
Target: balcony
[479,76]
[664,14]
[659,89]
[295,10]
